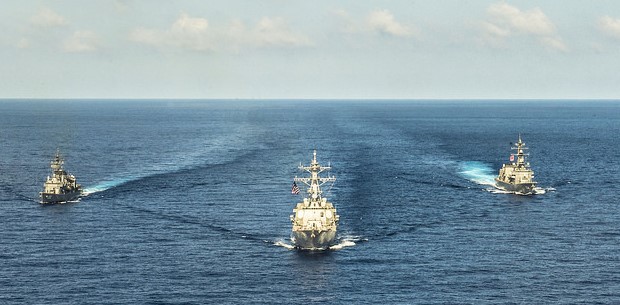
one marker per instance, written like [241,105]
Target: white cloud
[383,21]
[507,20]
[191,25]
[81,41]
[40,34]
[191,33]
[276,32]
[379,21]
[553,43]
[48,18]
[186,32]
[533,21]
[196,34]
[495,30]
[609,26]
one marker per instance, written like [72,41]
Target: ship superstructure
[314,219]
[60,186]
[517,176]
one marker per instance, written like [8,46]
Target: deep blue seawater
[190,200]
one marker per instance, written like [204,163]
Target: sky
[289,49]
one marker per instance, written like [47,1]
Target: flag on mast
[295,189]
[512,158]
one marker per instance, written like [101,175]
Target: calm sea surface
[189,203]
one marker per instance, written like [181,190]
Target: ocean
[188,202]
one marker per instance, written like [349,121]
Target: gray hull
[320,241]
[522,188]
[58,198]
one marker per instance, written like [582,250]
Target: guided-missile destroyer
[517,176]
[314,219]
[60,186]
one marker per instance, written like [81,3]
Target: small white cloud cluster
[383,21]
[507,21]
[81,41]
[275,32]
[378,21]
[610,26]
[194,33]
[186,32]
[46,19]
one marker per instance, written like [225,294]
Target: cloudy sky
[352,49]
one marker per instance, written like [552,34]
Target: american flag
[295,189]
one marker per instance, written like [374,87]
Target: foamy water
[342,242]
[284,244]
[105,185]
[537,191]
[478,172]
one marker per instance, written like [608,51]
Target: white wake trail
[477,172]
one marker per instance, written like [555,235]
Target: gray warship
[314,219]
[517,176]
[60,186]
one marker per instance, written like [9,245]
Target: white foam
[347,241]
[477,172]
[282,243]
[342,244]
[105,185]
[536,191]
[539,190]
[498,191]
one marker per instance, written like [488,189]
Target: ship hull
[313,240]
[521,188]
[59,198]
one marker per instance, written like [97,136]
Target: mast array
[521,156]
[314,182]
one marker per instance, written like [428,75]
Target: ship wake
[536,191]
[105,185]
[477,172]
[163,169]
[347,241]
[341,243]
[282,243]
